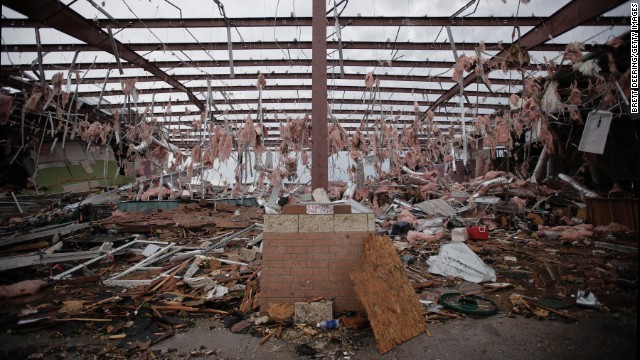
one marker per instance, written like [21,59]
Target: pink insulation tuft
[26,287]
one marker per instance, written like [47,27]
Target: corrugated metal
[602,211]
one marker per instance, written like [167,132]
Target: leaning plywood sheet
[391,304]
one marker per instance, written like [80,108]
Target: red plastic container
[478,233]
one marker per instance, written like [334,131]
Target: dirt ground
[596,335]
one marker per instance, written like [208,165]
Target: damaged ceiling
[180,56]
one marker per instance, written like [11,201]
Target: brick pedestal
[309,256]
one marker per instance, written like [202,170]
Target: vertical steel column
[319,131]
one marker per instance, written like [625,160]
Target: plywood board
[394,311]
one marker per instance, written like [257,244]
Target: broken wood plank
[188,309]
[564,314]
[84,319]
[266,338]
[38,245]
[173,273]
[383,288]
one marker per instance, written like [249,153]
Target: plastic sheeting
[456,259]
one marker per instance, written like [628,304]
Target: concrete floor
[595,336]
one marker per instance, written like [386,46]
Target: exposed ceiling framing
[409,71]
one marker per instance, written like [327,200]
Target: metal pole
[319,131]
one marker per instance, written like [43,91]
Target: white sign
[319,210]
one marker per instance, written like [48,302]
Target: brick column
[309,256]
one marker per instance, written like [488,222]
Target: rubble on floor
[133,278]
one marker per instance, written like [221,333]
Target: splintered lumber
[173,273]
[394,311]
[189,309]
[266,338]
[84,319]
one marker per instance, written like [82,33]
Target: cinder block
[280,223]
[371,220]
[315,223]
[313,312]
[350,222]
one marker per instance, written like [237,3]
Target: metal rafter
[280,76]
[343,20]
[292,111]
[272,45]
[62,18]
[275,87]
[306,100]
[247,63]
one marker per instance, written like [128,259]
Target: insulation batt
[493,174]
[517,127]
[5,108]
[376,207]
[32,103]
[261,81]
[576,95]
[27,287]
[519,183]
[226,148]
[575,234]
[416,236]
[573,52]
[532,88]
[521,203]
[336,192]
[587,68]
[144,133]
[276,176]
[195,153]
[515,102]
[613,69]
[159,191]
[361,194]
[406,216]
[502,132]
[551,99]
[57,80]
[612,228]
[368,80]
[463,63]
[425,190]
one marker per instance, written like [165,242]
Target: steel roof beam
[280,76]
[335,101]
[306,21]
[289,111]
[270,45]
[344,122]
[247,63]
[62,18]
[272,87]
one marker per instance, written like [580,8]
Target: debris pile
[492,244]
